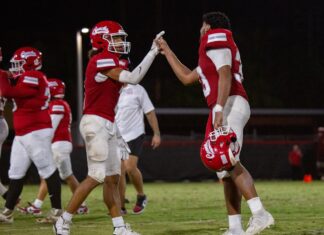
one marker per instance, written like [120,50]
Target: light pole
[79,48]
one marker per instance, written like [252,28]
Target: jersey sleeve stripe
[58,108]
[216,37]
[30,80]
[105,63]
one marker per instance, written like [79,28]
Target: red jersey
[208,75]
[63,130]
[101,97]
[30,95]
[295,158]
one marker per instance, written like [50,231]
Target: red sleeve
[106,61]
[57,107]
[18,91]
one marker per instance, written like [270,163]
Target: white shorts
[3,132]
[236,114]
[103,155]
[61,154]
[33,147]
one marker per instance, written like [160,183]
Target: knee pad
[97,171]
[63,163]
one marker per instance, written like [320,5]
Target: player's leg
[238,115]
[135,175]
[122,187]
[34,208]
[111,188]
[3,135]
[19,164]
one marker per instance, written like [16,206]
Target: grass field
[190,208]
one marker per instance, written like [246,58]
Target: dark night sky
[281,43]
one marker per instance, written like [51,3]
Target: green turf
[191,208]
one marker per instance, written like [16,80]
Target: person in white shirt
[133,103]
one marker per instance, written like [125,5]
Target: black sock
[54,190]
[4,196]
[15,189]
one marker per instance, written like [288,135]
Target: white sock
[235,223]
[255,205]
[67,216]
[118,222]
[3,189]
[84,204]
[38,203]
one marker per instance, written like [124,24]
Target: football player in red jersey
[30,93]
[61,117]
[219,71]
[3,127]
[105,76]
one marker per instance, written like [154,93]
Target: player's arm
[222,59]
[56,119]
[139,72]
[183,73]
[154,124]
[17,91]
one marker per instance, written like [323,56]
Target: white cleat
[124,231]
[61,227]
[258,223]
[6,216]
[229,232]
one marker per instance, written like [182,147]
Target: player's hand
[163,46]
[155,47]
[156,141]
[218,122]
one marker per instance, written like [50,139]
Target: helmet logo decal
[100,30]
[26,54]
[209,150]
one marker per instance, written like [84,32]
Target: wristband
[218,108]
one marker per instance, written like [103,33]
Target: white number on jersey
[48,94]
[204,81]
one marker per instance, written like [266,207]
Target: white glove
[122,145]
[154,47]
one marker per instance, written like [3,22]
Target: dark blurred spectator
[295,161]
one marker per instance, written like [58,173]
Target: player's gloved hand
[155,48]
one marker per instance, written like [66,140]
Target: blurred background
[281,45]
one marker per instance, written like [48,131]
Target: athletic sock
[38,203]
[15,189]
[255,205]
[54,190]
[67,216]
[235,223]
[118,222]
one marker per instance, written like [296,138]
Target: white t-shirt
[133,103]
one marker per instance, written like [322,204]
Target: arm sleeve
[139,72]
[56,119]
[220,57]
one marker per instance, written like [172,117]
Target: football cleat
[51,217]
[61,227]
[140,205]
[124,231]
[82,210]
[30,209]
[259,222]
[6,216]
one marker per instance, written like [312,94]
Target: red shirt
[30,96]
[294,158]
[63,130]
[217,39]
[101,97]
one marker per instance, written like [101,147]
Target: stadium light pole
[79,49]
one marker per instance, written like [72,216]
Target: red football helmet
[109,35]
[25,59]
[219,149]
[57,88]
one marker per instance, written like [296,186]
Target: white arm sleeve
[100,77]
[220,57]
[139,72]
[56,118]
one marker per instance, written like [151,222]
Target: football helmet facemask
[25,59]
[110,35]
[57,88]
[219,149]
